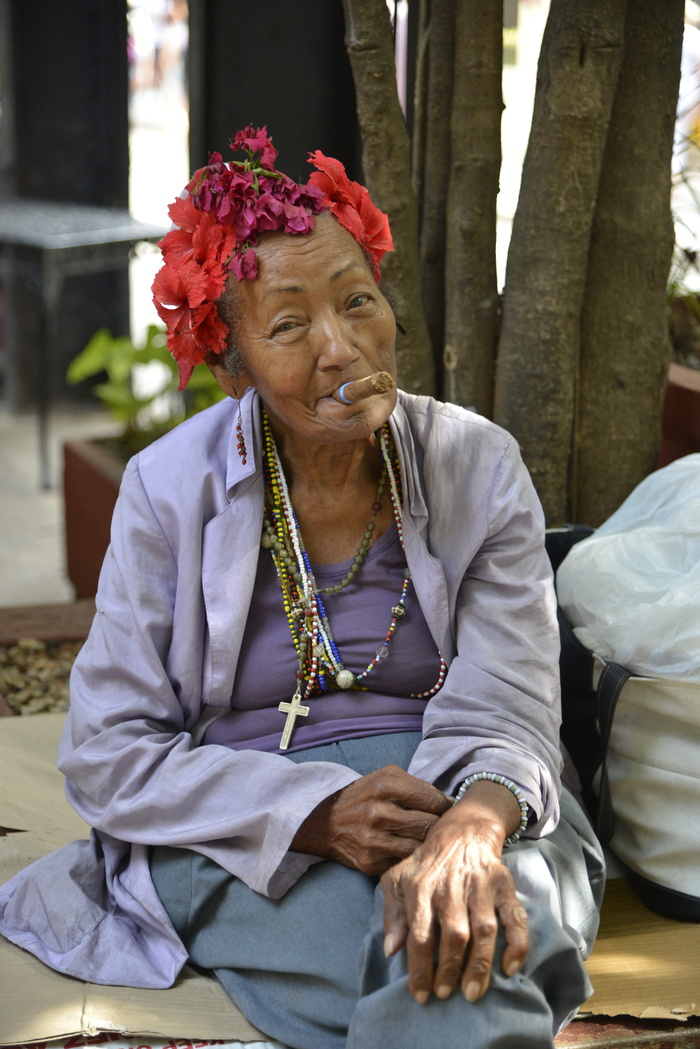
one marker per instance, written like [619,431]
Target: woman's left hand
[455,883]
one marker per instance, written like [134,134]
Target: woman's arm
[499,708]
[498,711]
[374,822]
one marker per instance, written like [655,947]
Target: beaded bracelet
[493,777]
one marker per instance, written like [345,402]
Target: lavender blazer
[161,658]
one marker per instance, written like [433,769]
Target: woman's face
[312,320]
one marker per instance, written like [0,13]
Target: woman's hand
[455,883]
[374,822]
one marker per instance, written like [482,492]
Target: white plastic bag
[635,583]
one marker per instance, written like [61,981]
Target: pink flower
[297,219]
[256,140]
[244,263]
[268,212]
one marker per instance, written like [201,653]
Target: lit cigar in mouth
[350,392]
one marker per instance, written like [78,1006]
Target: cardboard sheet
[642,965]
[36,1003]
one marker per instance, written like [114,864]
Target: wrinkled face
[312,320]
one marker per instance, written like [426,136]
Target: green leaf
[93,359]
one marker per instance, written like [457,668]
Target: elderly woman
[315,724]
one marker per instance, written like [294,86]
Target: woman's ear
[234,386]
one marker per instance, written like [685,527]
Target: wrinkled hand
[455,883]
[374,822]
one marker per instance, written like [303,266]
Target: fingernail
[422,997]
[391,943]
[472,991]
[443,991]
[512,968]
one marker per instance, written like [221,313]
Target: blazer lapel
[230,550]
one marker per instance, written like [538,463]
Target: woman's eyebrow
[339,273]
[294,289]
[290,288]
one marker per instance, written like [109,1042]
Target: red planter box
[91,479]
[681,417]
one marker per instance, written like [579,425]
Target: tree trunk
[420,92]
[624,335]
[471,289]
[386,165]
[547,261]
[435,164]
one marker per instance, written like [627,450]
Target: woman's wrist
[523,810]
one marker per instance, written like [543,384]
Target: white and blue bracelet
[493,777]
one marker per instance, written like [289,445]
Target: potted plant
[146,406]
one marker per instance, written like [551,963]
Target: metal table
[45,242]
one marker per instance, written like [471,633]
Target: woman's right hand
[374,822]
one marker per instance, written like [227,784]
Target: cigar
[349,392]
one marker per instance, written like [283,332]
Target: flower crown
[219,219]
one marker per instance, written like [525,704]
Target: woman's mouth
[359,389]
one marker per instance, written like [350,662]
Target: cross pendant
[293,710]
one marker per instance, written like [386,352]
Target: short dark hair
[229,307]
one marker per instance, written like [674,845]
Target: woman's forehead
[330,249]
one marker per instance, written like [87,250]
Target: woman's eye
[285,326]
[357,301]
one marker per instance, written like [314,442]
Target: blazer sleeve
[499,709]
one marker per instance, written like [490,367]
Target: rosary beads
[320,666]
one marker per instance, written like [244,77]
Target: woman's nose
[335,347]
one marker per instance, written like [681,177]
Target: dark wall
[64,133]
[70,101]
[64,82]
[281,63]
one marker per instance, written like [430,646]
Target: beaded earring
[240,438]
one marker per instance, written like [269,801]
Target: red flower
[180,287]
[351,205]
[184,294]
[197,331]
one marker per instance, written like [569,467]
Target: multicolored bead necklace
[320,664]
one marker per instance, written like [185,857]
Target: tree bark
[471,289]
[420,92]
[547,261]
[435,162]
[386,165]
[624,333]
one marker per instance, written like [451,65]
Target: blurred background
[110,105]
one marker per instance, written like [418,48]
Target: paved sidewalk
[32,556]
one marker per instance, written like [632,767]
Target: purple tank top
[360,616]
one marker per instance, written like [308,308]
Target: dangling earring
[240,439]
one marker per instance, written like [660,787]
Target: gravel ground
[34,675]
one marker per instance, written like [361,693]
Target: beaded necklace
[321,667]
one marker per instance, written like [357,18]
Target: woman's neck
[328,470]
[333,489]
